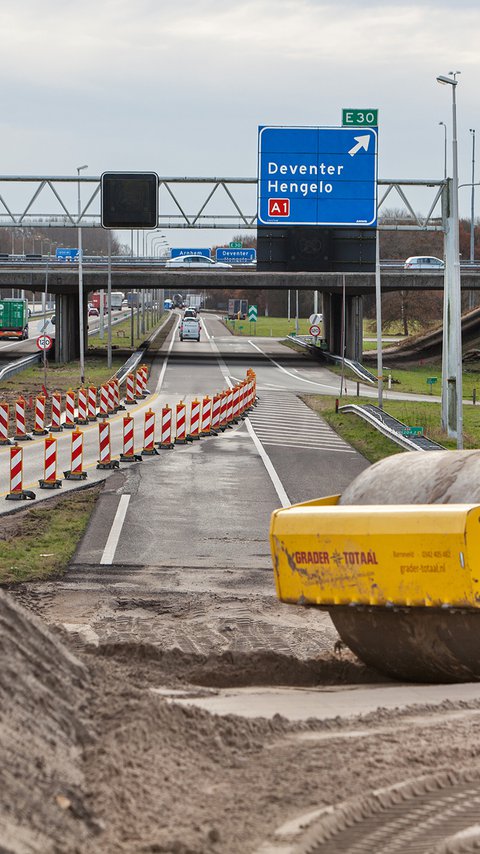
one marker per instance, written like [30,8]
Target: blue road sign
[66,254]
[317,176]
[176,253]
[236,256]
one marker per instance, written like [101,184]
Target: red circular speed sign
[314,330]
[44,342]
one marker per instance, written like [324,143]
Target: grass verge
[39,542]
[371,444]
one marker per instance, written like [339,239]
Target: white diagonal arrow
[362,142]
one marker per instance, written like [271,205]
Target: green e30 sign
[360,118]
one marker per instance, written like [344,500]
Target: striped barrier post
[130,392]
[82,406]
[92,403]
[216,404]
[144,370]
[181,424]
[50,480]
[251,373]
[149,434]
[206,420]
[249,398]
[39,418]
[229,406]
[223,410]
[56,425]
[236,404]
[110,397]
[166,430]
[128,455]
[194,420]
[118,404]
[139,384]
[4,423]
[243,398]
[17,492]
[105,448]
[69,410]
[21,434]
[103,411]
[75,472]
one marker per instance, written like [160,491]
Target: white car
[197,262]
[424,262]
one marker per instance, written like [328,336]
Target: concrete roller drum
[396,562]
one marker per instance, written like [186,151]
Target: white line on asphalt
[115,531]
[289,373]
[164,366]
[277,483]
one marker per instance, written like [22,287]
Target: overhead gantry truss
[52,202]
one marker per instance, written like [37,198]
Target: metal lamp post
[472,204]
[444,150]
[452,414]
[80,286]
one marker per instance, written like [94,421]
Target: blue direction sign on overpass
[317,176]
[176,253]
[66,254]
[236,256]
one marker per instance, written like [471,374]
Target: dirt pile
[42,688]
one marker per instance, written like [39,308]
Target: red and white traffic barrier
[128,455]
[75,472]
[111,397]
[194,420]
[4,423]
[149,434]
[166,431]
[206,419]
[103,410]
[17,492]
[82,406]
[181,423]
[39,418]
[50,480]
[56,425]
[229,405]
[105,447]
[236,403]
[140,384]
[92,403]
[130,392]
[223,410]
[21,434]
[216,408]
[70,410]
[118,405]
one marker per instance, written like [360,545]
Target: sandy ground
[93,760]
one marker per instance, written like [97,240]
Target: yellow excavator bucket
[424,555]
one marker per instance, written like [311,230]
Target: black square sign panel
[129,199]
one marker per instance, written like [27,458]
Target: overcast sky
[180,87]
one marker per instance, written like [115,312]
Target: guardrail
[19,365]
[356,367]
[391,427]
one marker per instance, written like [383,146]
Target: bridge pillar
[67,336]
[353,325]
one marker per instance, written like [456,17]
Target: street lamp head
[442,79]
[79,168]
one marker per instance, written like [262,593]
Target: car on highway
[93,312]
[190,329]
[197,262]
[189,312]
[424,262]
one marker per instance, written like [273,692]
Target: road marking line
[115,531]
[289,373]
[164,366]
[277,483]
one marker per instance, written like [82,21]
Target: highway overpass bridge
[147,274]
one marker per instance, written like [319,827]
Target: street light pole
[472,218]
[452,412]
[444,150]
[80,286]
